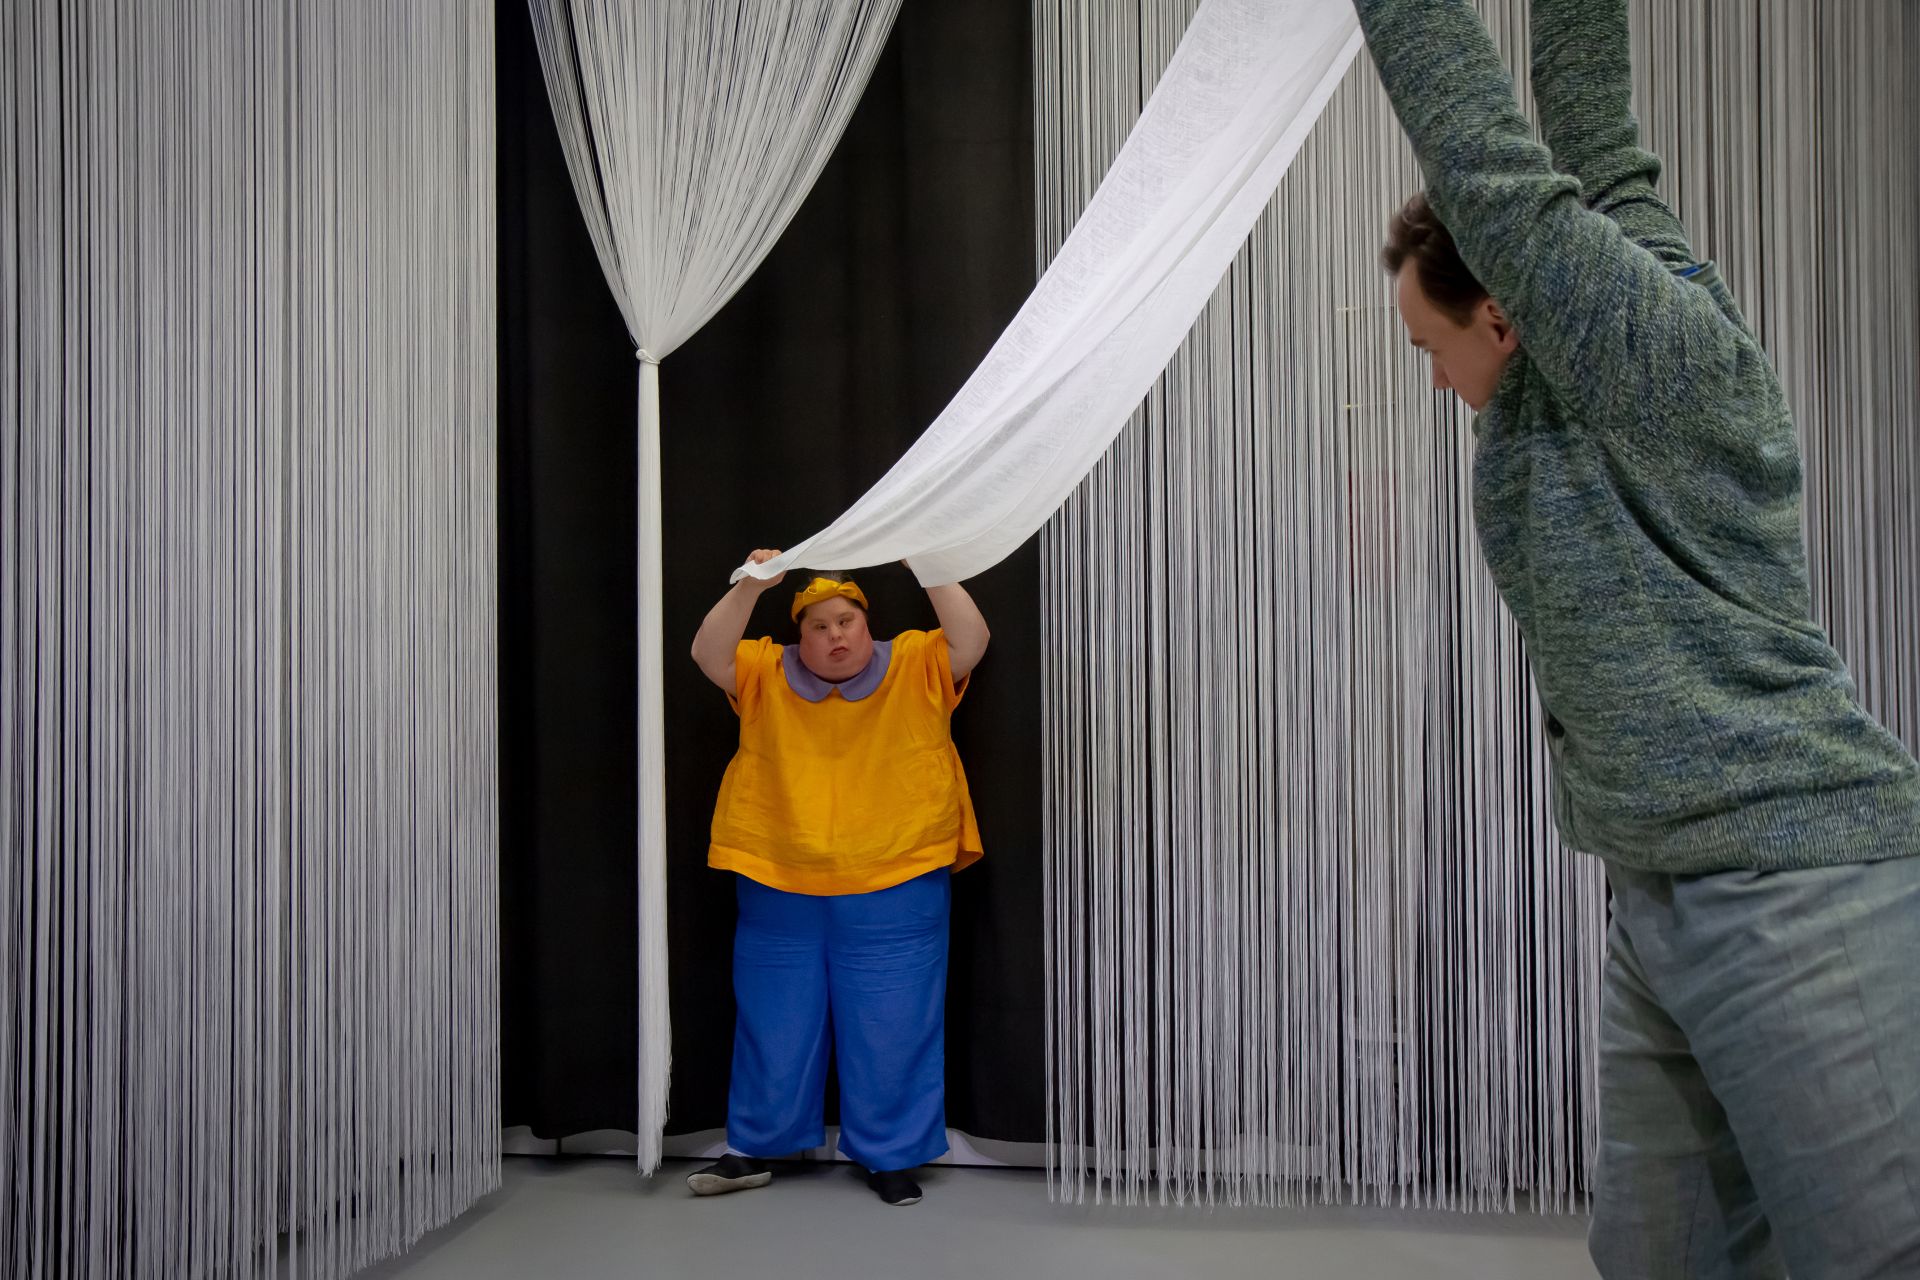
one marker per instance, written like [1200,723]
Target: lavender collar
[814,689]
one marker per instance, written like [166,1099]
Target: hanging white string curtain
[1311,934]
[248,777]
[1243,90]
[692,130]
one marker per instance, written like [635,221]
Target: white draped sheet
[691,136]
[1244,88]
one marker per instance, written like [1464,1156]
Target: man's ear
[1503,335]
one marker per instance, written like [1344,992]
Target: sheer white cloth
[692,130]
[1244,88]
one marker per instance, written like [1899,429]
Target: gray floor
[582,1218]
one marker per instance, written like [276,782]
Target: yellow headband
[825,589]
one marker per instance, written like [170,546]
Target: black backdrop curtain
[911,253]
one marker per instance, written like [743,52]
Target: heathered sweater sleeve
[1617,333]
[1583,88]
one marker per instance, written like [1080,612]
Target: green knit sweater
[1636,475]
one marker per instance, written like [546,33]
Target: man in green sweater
[1637,490]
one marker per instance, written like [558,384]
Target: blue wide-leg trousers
[865,976]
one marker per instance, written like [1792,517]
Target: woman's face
[834,642]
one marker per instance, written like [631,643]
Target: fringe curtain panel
[248,984]
[1310,933]
[692,129]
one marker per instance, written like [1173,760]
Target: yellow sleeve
[939,663]
[752,659]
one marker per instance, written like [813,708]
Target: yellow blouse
[841,796]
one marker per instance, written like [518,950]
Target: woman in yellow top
[842,815]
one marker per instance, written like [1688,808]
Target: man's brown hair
[1416,235]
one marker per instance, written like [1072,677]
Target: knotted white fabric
[1243,90]
[692,130]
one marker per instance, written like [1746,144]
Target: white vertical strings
[248,974]
[692,129]
[1310,931]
